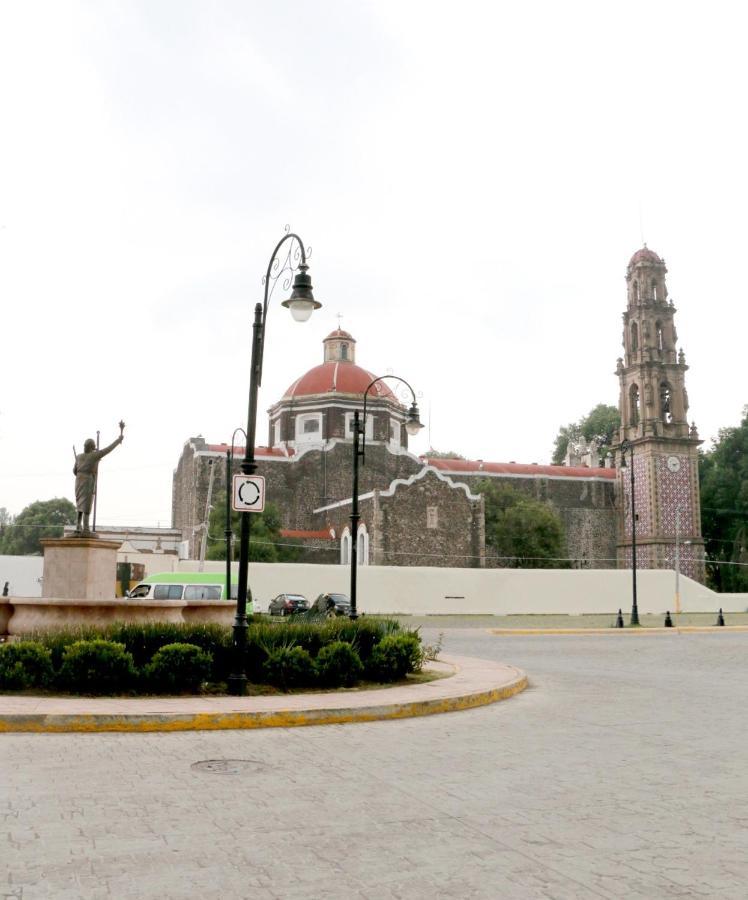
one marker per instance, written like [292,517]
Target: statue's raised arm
[86,470]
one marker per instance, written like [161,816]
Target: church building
[423,511]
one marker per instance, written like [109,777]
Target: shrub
[97,667]
[58,641]
[24,664]
[395,656]
[288,667]
[338,664]
[145,639]
[178,668]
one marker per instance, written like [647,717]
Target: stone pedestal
[80,567]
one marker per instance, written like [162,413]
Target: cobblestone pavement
[619,773]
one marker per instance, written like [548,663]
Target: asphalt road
[619,773]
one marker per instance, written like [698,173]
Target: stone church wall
[429,522]
[586,508]
[297,486]
[320,478]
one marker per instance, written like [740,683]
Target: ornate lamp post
[412,426]
[628,447]
[302,304]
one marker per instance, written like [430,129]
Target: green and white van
[184,586]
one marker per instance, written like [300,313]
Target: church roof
[645,255]
[339,377]
[477,466]
[259,451]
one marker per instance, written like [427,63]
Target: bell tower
[654,422]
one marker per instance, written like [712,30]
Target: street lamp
[412,426]
[302,304]
[628,447]
[229,531]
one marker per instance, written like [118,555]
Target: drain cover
[227,766]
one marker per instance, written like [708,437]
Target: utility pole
[204,542]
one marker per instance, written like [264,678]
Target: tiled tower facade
[654,419]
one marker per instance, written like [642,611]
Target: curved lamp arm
[301,302]
[412,424]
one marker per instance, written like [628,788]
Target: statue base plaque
[80,567]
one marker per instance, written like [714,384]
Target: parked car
[287,604]
[332,605]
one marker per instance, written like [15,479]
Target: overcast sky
[472,178]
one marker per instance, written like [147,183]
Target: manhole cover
[227,766]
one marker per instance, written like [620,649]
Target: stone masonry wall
[427,523]
[587,510]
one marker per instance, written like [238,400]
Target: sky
[472,179]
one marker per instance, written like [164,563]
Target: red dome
[340,378]
[644,255]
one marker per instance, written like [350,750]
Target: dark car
[332,605]
[287,604]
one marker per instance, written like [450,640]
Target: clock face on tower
[673,463]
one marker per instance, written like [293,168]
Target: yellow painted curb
[676,629]
[57,724]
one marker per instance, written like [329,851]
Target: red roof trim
[259,451]
[300,533]
[475,467]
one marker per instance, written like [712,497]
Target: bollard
[720,617]
[668,620]
[619,620]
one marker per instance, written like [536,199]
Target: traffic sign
[248,493]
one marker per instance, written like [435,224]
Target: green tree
[566,433]
[266,543]
[44,518]
[601,424]
[447,454]
[724,508]
[529,533]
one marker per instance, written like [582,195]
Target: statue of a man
[85,470]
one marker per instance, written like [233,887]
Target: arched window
[654,290]
[634,405]
[344,351]
[363,546]
[634,337]
[345,548]
[658,335]
[666,402]
[636,291]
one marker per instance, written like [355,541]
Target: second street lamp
[412,426]
[302,304]
[229,534]
[628,447]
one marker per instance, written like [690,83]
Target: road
[619,773]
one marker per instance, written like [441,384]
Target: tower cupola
[340,346]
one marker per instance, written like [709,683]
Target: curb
[492,691]
[676,629]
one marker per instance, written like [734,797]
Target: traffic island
[470,683]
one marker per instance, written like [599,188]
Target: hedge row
[163,658]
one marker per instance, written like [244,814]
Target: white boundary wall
[436,591]
[23,573]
